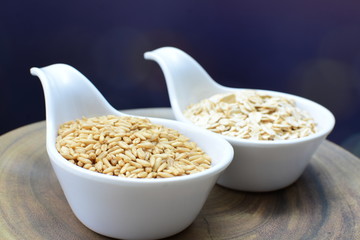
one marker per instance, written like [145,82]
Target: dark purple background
[309,48]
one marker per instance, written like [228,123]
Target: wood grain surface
[323,204]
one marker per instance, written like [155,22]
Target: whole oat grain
[248,114]
[131,147]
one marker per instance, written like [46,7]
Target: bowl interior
[324,119]
[220,151]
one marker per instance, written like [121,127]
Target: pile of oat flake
[248,114]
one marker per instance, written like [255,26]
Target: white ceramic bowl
[122,207]
[258,166]
[141,208]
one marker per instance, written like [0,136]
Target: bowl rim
[227,157]
[323,132]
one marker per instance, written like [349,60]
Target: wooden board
[323,204]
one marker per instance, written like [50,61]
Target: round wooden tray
[323,204]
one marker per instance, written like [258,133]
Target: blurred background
[309,48]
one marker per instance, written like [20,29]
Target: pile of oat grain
[248,114]
[129,147]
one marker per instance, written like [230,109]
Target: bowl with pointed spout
[258,165]
[121,207]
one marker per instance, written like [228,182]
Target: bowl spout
[186,80]
[69,94]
